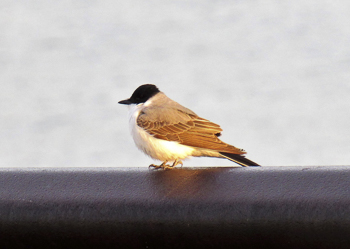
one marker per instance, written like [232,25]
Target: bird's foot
[162,166]
[166,166]
[177,162]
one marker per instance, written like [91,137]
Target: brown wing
[191,130]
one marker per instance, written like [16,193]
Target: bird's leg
[162,166]
[176,162]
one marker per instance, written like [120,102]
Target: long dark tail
[241,160]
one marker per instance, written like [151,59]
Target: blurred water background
[274,74]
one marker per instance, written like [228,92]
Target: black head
[141,94]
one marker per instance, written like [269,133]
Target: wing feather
[187,129]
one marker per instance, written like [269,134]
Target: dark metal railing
[265,207]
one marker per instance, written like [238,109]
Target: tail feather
[241,160]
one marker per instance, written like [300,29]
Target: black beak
[125,102]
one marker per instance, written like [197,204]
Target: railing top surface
[265,207]
[191,184]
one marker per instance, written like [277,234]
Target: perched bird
[169,132]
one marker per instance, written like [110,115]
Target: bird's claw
[166,166]
[162,166]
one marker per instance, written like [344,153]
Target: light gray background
[274,74]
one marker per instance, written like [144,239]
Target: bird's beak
[125,102]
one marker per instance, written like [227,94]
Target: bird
[167,131]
